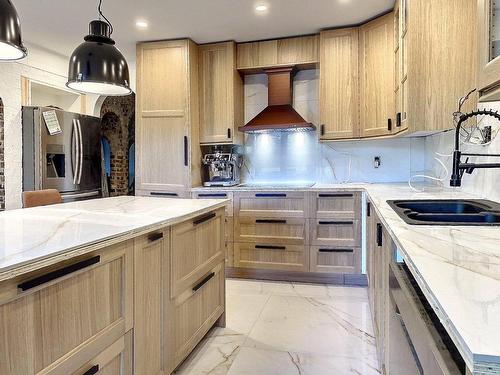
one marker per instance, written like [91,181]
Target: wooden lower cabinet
[114,360]
[271,230]
[53,324]
[335,259]
[194,311]
[197,246]
[335,232]
[179,291]
[282,257]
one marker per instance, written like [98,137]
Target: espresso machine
[222,165]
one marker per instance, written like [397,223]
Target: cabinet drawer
[271,256]
[325,232]
[114,360]
[343,205]
[335,259]
[216,195]
[66,313]
[174,193]
[195,310]
[270,204]
[270,230]
[197,246]
[229,254]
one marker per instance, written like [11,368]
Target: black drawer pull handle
[368,209]
[91,371]
[398,119]
[270,247]
[208,195]
[37,281]
[324,195]
[186,151]
[389,124]
[203,282]
[270,221]
[379,234]
[270,195]
[162,194]
[321,222]
[322,129]
[229,132]
[336,250]
[204,218]
[155,237]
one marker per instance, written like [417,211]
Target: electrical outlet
[376,162]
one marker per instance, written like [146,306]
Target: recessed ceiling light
[261,8]
[141,24]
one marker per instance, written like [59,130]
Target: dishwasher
[418,342]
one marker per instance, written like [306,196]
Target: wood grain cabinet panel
[344,205]
[167,130]
[257,54]
[221,94]
[213,194]
[197,246]
[335,232]
[335,259]
[54,325]
[339,84]
[488,73]
[300,50]
[195,311]
[376,66]
[229,246]
[271,256]
[270,204]
[151,270]
[271,230]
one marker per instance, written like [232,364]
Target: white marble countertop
[39,234]
[457,267]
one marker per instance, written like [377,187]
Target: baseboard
[304,277]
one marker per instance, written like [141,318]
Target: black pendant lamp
[97,66]
[11,44]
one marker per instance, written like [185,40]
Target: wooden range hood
[279,115]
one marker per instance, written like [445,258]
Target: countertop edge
[35,264]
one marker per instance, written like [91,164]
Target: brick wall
[2,164]
[118,127]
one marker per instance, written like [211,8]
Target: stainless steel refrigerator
[67,158]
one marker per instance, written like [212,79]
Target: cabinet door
[488,77]
[220,93]
[376,68]
[56,319]
[162,117]
[151,269]
[338,97]
[257,54]
[271,256]
[300,50]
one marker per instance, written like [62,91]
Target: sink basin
[474,212]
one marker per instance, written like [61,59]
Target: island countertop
[46,234]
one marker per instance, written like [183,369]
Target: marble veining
[29,235]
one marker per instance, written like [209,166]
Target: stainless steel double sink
[469,212]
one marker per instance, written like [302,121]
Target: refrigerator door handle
[75,165]
[80,141]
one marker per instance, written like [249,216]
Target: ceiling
[60,25]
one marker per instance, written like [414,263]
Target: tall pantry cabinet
[167,130]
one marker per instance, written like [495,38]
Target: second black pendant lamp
[97,66]
[11,44]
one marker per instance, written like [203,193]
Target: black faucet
[458,167]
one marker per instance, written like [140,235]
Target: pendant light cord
[103,16]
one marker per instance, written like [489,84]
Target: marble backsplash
[299,157]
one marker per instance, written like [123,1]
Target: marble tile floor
[288,328]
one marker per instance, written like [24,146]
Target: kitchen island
[119,285]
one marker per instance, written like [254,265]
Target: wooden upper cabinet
[488,77]
[376,66]
[279,52]
[257,54]
[300,50]
[221,94]
[338,96]
[167,118]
